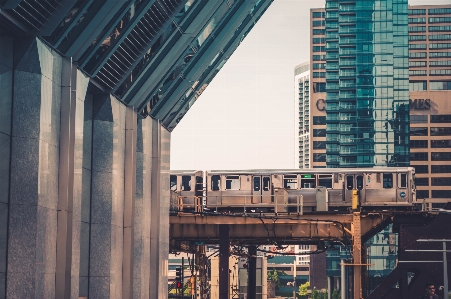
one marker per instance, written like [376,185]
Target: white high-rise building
[302,115]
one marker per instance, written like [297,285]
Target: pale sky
[245,117]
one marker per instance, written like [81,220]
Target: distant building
[302,114]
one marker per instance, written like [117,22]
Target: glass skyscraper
[367,79]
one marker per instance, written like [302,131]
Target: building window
[441,193]
[319,87]
[417,73]
[417,63]
[418,131]
[319,157]
[319,132]
[437,54]
[440,62]
[441,181]
[418,119]
[319,145]
[440,168]
[319,31]
[418,143]
[441,143]
[439,11]
[422,181]
[417,54]
[439,72]
[441,156]
[319,40]
[319,74]
[319,57]
[417,47]
[439,46]
[417,20]
[422,194]
[417,11]
[440,20]
[439,36]
[319,66]
[318,14]
[440,131]
[319,49]
[421,168]
[441,118]
[439,28]
[318,23]
[440,85]
[418,156]
[417,29]
[418,85]
[417,37]
[319,120]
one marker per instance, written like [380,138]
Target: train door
[353,182]
[261,189]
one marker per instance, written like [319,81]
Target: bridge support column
[224,248]
[357,254]
[252,277]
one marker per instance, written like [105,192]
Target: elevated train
[293,191]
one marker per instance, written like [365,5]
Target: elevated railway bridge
[189,231]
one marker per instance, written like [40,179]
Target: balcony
[332,35]
[347,30]
[347,85]
[347,63]
[332,26]
[347,74]
[347,107]
[332,76]
[332,86]
[347,19]
[331,56]
[332,5]
[347,52]
[333,67]
[331,15]
[348,41]
[347,8]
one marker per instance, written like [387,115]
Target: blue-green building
[367,78]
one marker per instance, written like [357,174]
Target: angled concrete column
[107,198]
[6,100]
[34,168]
[142,209]
[159,233]
[129,202]
[73,91]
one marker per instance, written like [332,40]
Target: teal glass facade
[367,79]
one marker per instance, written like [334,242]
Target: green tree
[274,276]
[336,295]
[318,294]
[303,288]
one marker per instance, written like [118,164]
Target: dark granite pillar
[34,169]
[6,100]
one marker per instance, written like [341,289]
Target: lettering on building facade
[321,105]
[420,104]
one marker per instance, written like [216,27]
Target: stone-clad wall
[83,199]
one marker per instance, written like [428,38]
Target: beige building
[430,96]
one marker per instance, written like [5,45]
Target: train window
[257,182]
[266,183]
[233,182]
[335,177]
[290,181]
[325,180]
[173,180]
[308,181]
[359,181]
[387,180]
[215,182]
[402,180]
[186,183]
[349,182]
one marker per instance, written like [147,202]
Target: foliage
[336,295]
[274,276]
[303,288]
[318,294]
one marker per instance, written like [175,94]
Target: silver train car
[306,190]
[186,187]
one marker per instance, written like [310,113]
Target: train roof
[315,170]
